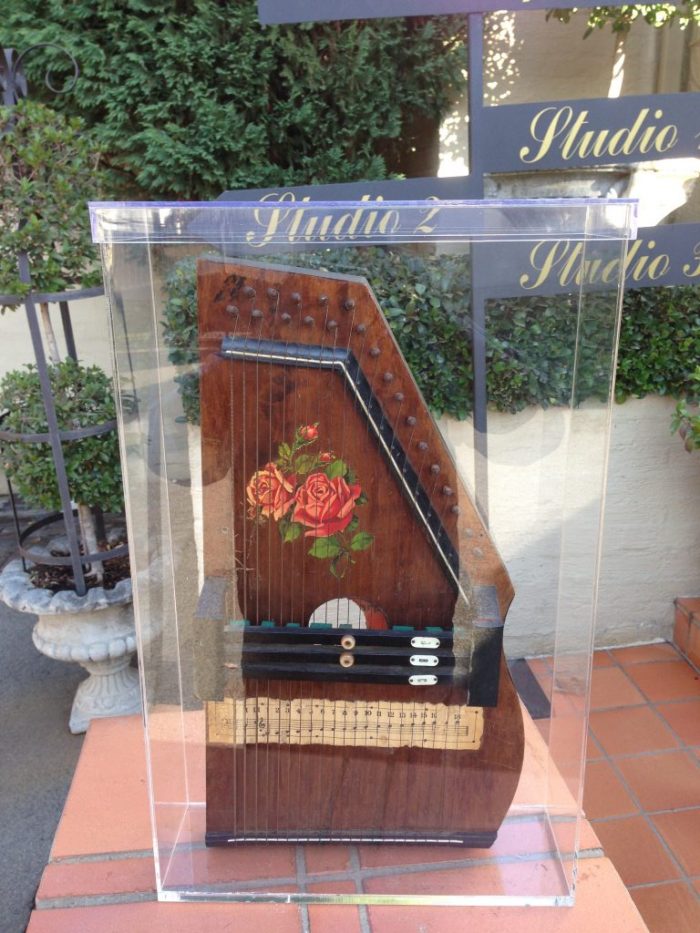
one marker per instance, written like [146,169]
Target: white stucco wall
[90,326]
[650,542]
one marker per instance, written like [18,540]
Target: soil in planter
[53,578]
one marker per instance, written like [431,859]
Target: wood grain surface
[248,408]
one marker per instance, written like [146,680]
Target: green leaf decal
[336,468]
[292,532]
[361,541]
[305,463]
[325,547]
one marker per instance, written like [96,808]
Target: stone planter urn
[95,631]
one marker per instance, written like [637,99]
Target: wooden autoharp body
[349,632]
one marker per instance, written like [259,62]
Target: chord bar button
[422,680]
[421,641]
[423,660]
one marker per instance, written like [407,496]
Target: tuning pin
[360,328]
[248,292]
[272,293]
[331,325]
[256,313]
[447,490]
[323,299]
[308,320]
[296,298]
[348,304]
[388,377]
[435,469]
[455,510]
[232,309]
[398,396]
[375,351]
[422,446]
[286,317]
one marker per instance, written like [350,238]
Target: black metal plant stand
[14,87]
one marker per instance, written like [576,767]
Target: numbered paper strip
[255,721]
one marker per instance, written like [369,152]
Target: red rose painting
[314,495]
[325,506]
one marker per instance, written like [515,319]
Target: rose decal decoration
[314,495]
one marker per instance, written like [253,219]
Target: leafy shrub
[531,342]
[686,418]
[190,98]
[48,170]
[659,342]
[83,397]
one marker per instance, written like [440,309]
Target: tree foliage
[189,98]
[83,398]
[48,171]
[621,18]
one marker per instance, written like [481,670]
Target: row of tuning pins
[347,306]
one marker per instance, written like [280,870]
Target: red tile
[543,727]
[593,747]
[684,718]
[668,908]
[542,670]
[321,859]
[611,687]
[681,832]
[602,658]
[602,903]
[604,795]
[515,838]
[693,650]
[635,851]
[107,805]
[681,631]
[152,917]
[640,654]
[629,730]
[235,866]
[663,780]
[334,918]
[95,878]
[666,680]
[688,604]
[534,878]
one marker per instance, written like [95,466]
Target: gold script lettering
[563,128]
[691,271]
[564,261]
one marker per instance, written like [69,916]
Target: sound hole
[347,612]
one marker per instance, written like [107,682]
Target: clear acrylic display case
[322,604]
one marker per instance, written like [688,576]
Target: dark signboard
[566,133]
[302,11]
[463,187]
[665,255]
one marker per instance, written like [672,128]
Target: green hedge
[189,98]
[530,342]
[48,170]
[83,396]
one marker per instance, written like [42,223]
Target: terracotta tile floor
[642,798]
[642,791]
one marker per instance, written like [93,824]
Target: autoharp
[349,631]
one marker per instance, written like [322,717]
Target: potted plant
[48,169]
[95,630]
